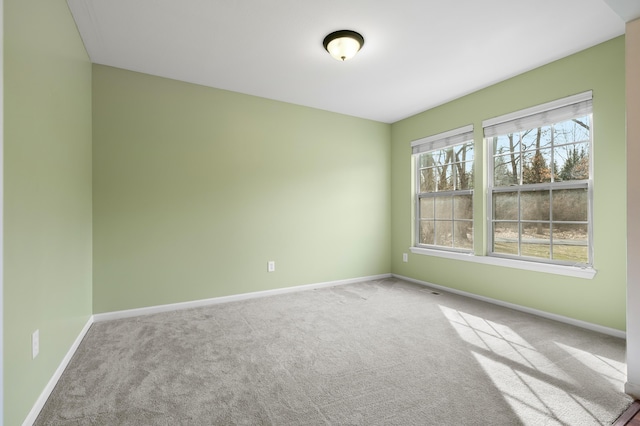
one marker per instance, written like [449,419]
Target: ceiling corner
[86,21]
[628,10]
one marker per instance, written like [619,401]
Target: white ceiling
[417,53]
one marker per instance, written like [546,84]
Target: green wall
[47,195]
[600,300]
[196,189]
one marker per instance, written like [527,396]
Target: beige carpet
[376,353]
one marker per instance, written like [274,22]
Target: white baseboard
[632,389]
[578,323]
[108,316]
[42,399]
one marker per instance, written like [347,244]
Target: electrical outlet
[35,344]
[271,266]
[405,257]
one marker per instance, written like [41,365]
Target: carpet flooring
[382,352]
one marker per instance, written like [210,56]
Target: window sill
[570,271]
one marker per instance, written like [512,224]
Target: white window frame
[541,115]
[439,141]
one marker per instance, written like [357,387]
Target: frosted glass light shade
[343,44]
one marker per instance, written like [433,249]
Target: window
[539,205]
[444,190]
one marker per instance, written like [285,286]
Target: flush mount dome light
[343,44]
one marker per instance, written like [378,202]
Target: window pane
[536,138]
[463,234]
[427,234]
[575,130]
[426,208]
[464,175]
[444,208]
[463,207]
[506,143]
[534,205]
[425,160]
[571,205]
[444,156]
[506,170]
[428,180]
[570,242]
[505,206]
[572,162]
[463,152]
[536,240]
[537,166]
[445,177]
[444,233]
[439,156]
[505,238]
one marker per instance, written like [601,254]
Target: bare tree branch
[580,123]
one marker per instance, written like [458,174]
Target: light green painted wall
[195,189]
[601,300]
[47,195]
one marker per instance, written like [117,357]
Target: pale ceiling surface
[417,54]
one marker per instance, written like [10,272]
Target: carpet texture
[376,353]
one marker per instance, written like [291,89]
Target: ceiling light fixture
[343,44]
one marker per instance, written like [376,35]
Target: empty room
[276,212]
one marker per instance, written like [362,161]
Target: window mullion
[520,220]
[551,227]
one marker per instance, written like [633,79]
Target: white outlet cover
[35,344]
[271,266]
